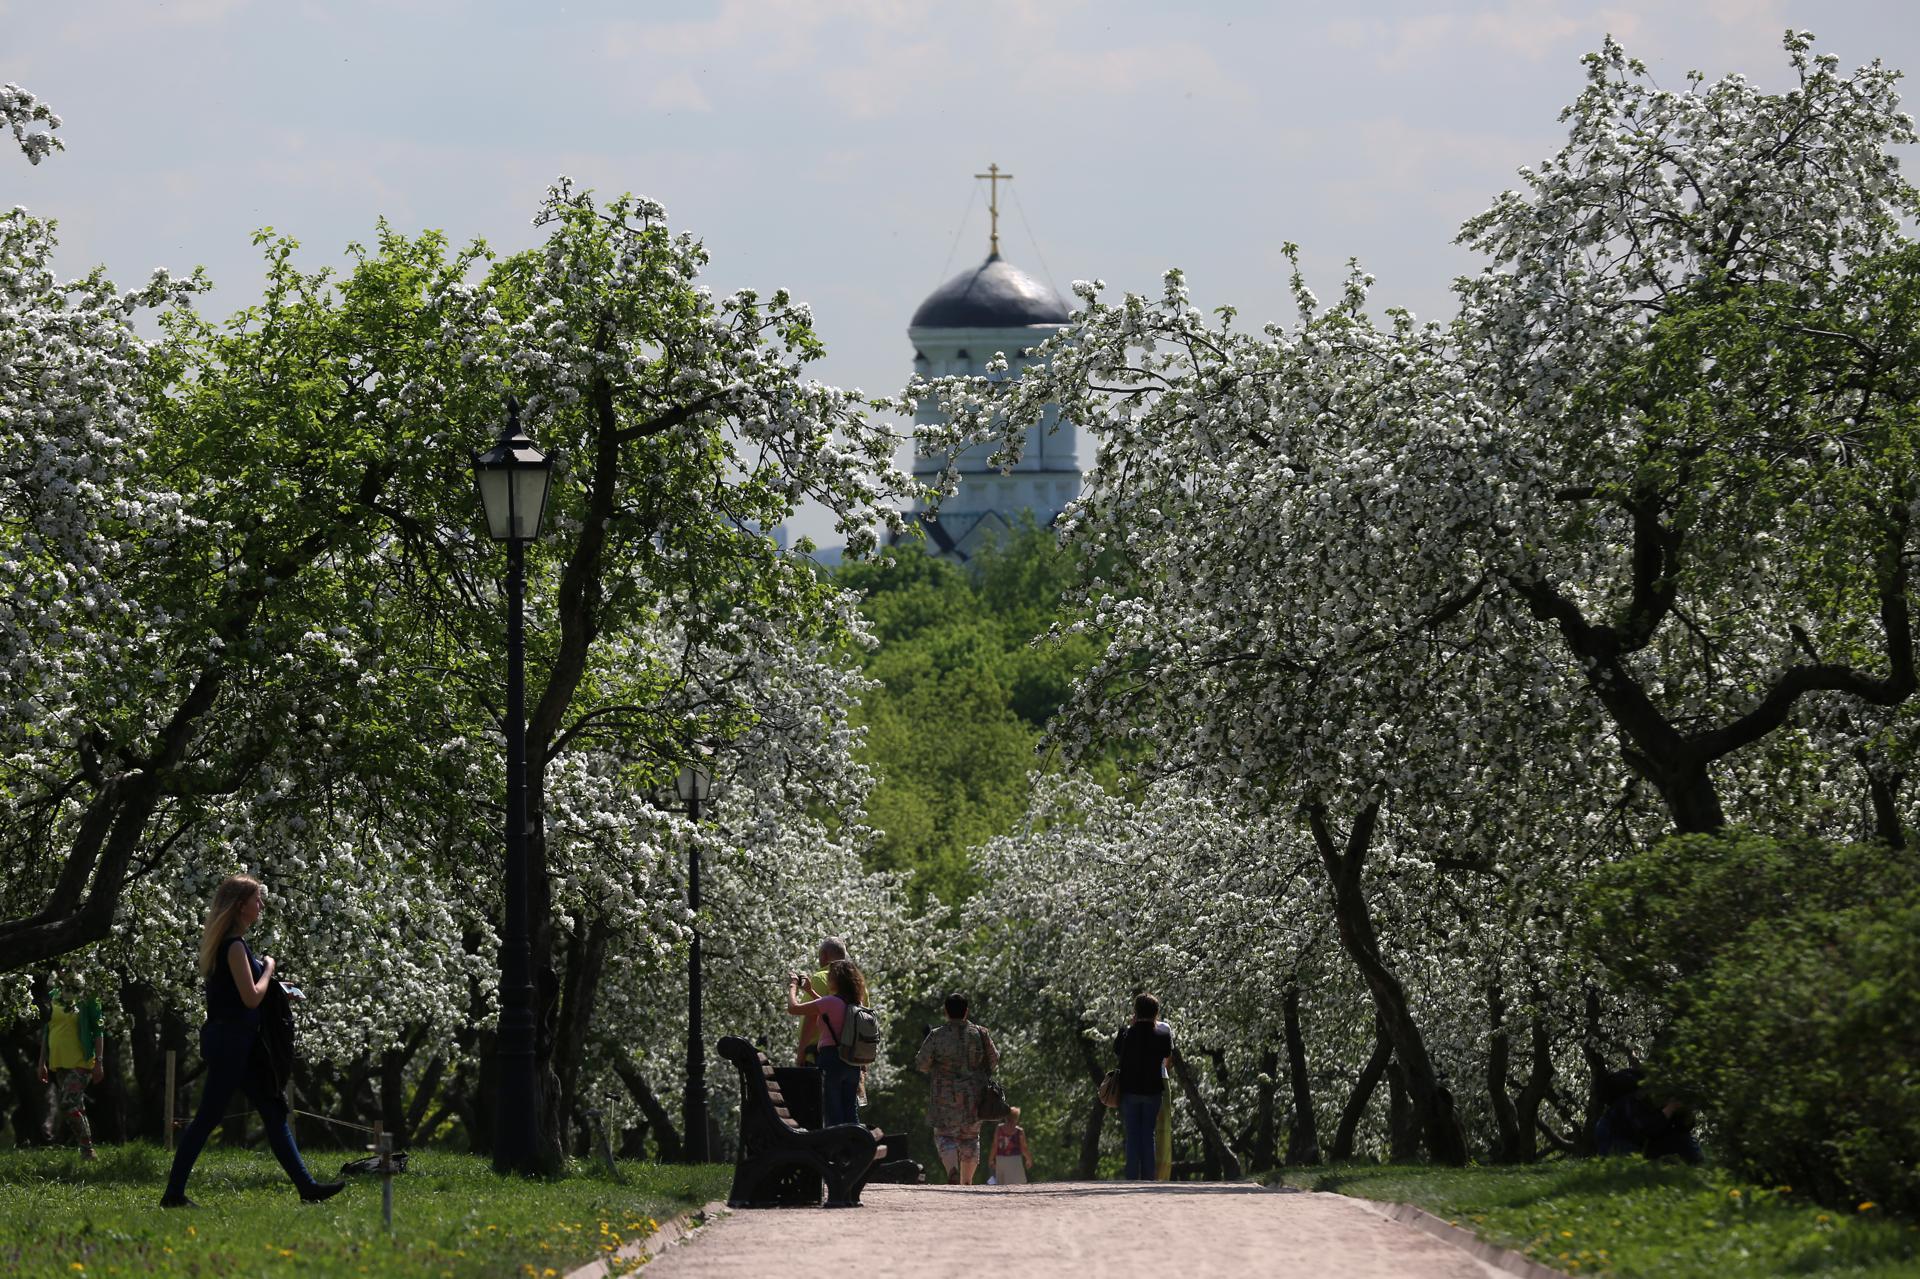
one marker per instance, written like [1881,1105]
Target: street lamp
[694,786]
[513,477]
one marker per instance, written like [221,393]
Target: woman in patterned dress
[957,1058]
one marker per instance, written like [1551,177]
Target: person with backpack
[73,1047]
[1143,1046]
[957,1058]
[848,1036]
[238,985]
[813,987]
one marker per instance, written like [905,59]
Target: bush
[1790,970]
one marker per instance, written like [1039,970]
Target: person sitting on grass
[72,1054]
[237,982]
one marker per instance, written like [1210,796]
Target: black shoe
[177,1201]
[321,1191]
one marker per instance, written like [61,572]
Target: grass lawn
[1636,1220]
[452,1217]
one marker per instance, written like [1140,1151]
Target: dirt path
[1071,1228]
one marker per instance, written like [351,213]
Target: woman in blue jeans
[845,985]
[1144,1046]
[237,981]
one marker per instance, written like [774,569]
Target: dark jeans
[842,1083]
[1139,1114]
[227,1049]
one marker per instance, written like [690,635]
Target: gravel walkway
[1187,1229]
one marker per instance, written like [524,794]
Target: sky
[828,146]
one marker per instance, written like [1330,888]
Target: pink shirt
[833,1016]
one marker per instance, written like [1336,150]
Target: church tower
[994,308]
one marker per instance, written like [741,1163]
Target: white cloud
[1533,31]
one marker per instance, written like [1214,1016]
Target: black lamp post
[513,477]
[694,786]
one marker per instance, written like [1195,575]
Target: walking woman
[1143,1046]
[845,985]
[237,981]
[958,1056]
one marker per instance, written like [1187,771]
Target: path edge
[672,1231]
[1482,1250]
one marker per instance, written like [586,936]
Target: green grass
[452,1217]
[1636,1220]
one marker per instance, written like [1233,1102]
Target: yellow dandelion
[77,1265]
[1733,1194]
[1783,1190]
[1868,1206]
[1566,1234]
[1823,1219]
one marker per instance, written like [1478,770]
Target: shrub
[1790,970]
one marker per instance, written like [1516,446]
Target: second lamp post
[694,786]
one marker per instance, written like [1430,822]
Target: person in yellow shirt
[72,1054]
[815,987]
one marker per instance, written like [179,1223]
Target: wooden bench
[771,1144]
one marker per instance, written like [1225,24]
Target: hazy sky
[828,145]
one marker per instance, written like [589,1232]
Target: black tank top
[223,994]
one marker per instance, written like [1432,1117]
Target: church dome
[994,295]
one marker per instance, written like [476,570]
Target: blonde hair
[229,900]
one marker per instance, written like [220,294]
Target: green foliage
[1790,969]
[452,1217]
[1659,918]
[1804,1036]
[1636,1220]
[963,694]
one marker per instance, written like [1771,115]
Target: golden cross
[994,178]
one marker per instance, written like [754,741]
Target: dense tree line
[1438,620]
[248,621]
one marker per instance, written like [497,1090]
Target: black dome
[994,295]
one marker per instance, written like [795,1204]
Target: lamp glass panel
[529,500]
[693,783]
[494,482]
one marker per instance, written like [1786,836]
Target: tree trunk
[152,1027]
[393,1086]
[1539,1080]
[1263,1139]
[586,961]
[1590,1049]
[1303,1134]
[1432,1104]
[32,1115]
[1087,1167]
[1219,1154]
[1360,1098]
[1403,1126]
[1089,1164]
[666,1138]
[416,1128]
[1883,795]
[1506,1120]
